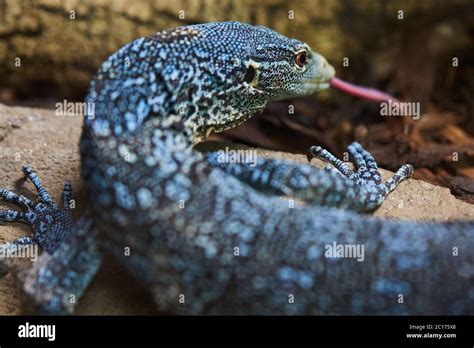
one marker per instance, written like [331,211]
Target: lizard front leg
[56,281]
[362,190]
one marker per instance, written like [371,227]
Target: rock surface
[49,143]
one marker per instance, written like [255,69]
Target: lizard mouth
[318,86]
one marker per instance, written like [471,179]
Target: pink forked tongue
[361,92]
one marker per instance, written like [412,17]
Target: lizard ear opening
[250,74]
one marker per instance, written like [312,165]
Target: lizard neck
[176,79]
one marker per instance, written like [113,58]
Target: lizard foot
[48,221]
[70,257]
[367,173]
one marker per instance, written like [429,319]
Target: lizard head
[246,67]
[281,68]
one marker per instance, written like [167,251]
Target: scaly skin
[208,237]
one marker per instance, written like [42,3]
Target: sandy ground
[49,143]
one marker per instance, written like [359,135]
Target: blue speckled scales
[228,238]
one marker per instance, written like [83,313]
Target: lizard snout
[323,71]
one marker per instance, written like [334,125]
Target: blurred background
[419,51]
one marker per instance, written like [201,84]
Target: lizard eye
[300,59]
[250,74]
